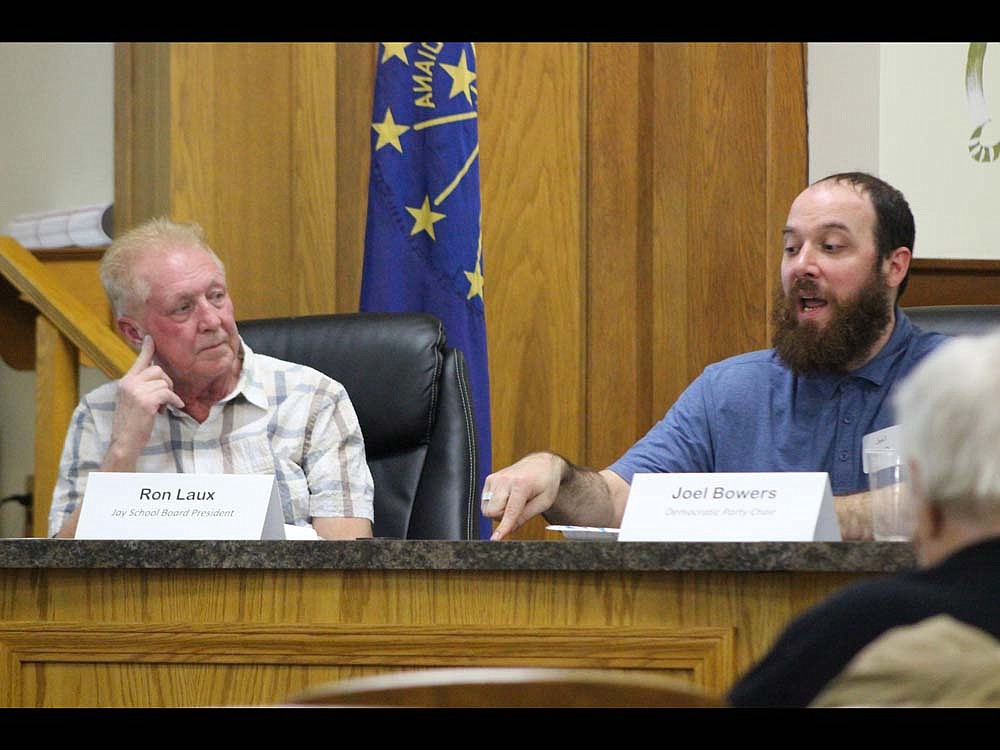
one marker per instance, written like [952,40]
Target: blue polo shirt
[751,413]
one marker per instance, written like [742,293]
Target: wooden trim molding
[955,266]
[30,651]
[936,281]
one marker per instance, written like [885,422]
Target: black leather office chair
[411,394]
[955,320]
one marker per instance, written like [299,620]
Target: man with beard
[840,344]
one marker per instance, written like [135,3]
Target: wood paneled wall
[697,150]
[633,196]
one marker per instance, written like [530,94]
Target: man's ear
[896,266]
[131,331]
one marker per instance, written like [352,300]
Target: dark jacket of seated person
[817,646]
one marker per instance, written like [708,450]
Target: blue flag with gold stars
[423,240]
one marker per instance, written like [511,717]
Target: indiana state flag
[423,240]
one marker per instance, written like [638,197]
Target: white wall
[842,107]
[56,126]
[900,110]
[56,152]
[926,124]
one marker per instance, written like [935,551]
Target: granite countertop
[396,554]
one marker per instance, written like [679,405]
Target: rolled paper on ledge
[86,226]
[52,231]
[90,227]
[25,231]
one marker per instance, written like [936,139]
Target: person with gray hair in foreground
[949,416]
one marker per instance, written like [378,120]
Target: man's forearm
[584,498]
[68,529]
[854,515]
[120,458]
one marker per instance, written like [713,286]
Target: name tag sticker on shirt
[886,439]
[180,506]
[733,507]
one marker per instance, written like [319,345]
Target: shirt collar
[882,363]
[248,383]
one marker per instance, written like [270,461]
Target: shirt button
[848,420]
[843,455]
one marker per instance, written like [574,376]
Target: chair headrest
[955,320]
[390,364]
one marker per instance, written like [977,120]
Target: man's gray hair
[128,293]
[948,410]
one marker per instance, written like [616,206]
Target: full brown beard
[853,329]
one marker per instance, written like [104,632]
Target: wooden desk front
[164,624]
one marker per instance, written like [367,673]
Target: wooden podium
[174,624]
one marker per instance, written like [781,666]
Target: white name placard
[180,506]
[735,507]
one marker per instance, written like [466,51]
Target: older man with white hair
[198,400]
[949,413]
